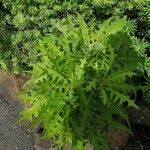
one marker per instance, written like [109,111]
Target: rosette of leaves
[81,85]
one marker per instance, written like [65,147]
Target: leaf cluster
[82,82]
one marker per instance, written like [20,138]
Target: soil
[13,136]
[140,124]
[140,139]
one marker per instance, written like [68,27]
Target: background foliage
[29,20]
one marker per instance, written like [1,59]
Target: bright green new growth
[81,82]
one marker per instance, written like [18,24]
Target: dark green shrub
[31,19]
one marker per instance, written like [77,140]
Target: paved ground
[12,136]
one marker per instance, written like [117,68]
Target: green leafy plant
[81,85]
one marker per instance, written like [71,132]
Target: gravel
[13,136]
